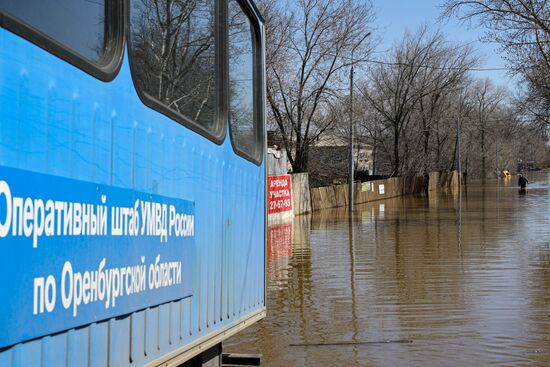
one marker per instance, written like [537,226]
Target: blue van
[132,179]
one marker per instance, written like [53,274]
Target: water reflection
[444,280]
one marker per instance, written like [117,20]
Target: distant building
[329,160]
[524,166]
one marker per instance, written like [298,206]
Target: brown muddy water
[417,281]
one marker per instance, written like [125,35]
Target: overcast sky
[395,16]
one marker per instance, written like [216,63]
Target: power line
[388,63]
[433,67]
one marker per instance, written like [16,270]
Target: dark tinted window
[174,56]
[76,24]
[243,94]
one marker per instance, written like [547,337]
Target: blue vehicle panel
[66,136]
[109,252]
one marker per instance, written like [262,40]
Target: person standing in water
[522,183]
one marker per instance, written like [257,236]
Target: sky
[394,17]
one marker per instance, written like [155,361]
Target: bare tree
[308,52]
[415,77]
[486,101]
[444,78]
[522,27]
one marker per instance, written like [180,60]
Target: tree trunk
[426,149]
[438,149]
[395,151]
[374,151]
[483,173]
[301,160]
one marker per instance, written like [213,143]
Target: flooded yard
[443,280]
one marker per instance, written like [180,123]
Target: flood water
[417,281]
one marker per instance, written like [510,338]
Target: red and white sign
[279,196]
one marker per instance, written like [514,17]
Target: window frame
[218,134]
[252,13]
[106,70]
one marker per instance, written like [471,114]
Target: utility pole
[496,156]
[458,141]
[351,126]
[458,154]
[351,160]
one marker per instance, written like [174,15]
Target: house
[328,161]
[328,158]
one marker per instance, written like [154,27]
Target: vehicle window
[243,93]
[174,56]
[76,24]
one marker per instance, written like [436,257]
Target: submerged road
[417,281]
